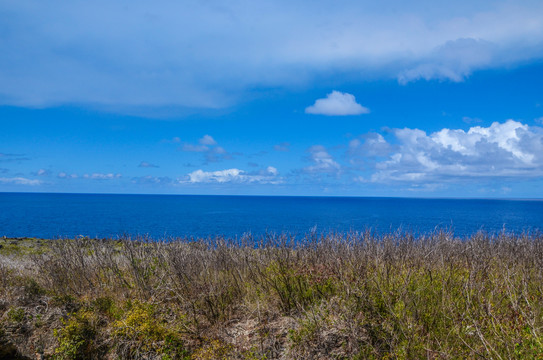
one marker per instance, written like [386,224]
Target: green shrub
[33,289]
[77,339]
[106,305]
[214,349]
[296,287]
[141,330]
[16,315]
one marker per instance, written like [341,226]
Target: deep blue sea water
[163,216]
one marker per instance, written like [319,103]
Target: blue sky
[349,98]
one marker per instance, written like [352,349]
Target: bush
[77,339]
[16,315]
[141,332]
[332,297]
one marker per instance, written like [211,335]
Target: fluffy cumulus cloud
[207,140]
[209,54]
[322,161]
[368,148]
[265,176]
[20,181]
[508,149]
[337,104]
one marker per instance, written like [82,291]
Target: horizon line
[291,196]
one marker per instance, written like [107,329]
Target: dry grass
[338,296]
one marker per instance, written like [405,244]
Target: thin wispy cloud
[205,143]
[455,60]
[64,175]
[174,140]
[101,176]
[337,104]
[152,180]
[195,148]
[265,176]
[284,147]
[42,172]
[20,181]
[145,164]
[9,157]
[471,120]
[209,147]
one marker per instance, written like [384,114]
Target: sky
[312,98]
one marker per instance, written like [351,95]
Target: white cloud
[63,175]
[43,172]
[271,171]
[509,149]
[539,120]
[368,147]
[209,54]
[322,161]
[267,176]
[100,176]
[219,150]
[337,103]
[20,181]
[209,147]
[207,140]
[455,60]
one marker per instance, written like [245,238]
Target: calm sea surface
[160,216]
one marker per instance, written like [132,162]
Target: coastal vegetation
[330,296]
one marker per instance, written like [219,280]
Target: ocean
[169,216]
